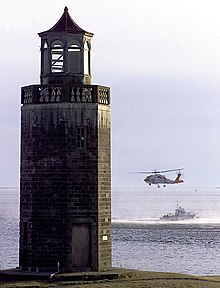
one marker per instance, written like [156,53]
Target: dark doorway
[81,239]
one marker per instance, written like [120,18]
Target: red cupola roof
[66,24]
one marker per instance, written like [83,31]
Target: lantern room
[65,53]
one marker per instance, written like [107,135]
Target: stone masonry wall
[63,185]
[104,187]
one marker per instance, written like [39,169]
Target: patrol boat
[179,214]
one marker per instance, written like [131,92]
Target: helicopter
[157,178]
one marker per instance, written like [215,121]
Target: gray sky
[161,59]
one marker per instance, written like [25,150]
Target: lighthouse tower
[65,184]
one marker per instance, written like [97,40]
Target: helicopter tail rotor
[178,180]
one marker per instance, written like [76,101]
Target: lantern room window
[45,66]
[57,57]
[74,52]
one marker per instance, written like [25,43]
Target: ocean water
[139,239]
[9,230]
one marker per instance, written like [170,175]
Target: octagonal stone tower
[65,184]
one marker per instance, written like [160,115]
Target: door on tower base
[81,245]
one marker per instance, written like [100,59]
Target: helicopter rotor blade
[170,170]
[156,172]
[142,172]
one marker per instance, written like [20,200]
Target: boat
[179,214]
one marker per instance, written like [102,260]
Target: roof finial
[65,9]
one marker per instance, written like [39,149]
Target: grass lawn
[129,279]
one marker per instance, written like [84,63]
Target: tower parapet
[38,94]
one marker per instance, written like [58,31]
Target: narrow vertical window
[74,52]
[80,137]
[45,64]
[57,57]
[86,58]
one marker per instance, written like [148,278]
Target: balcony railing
[39,94]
